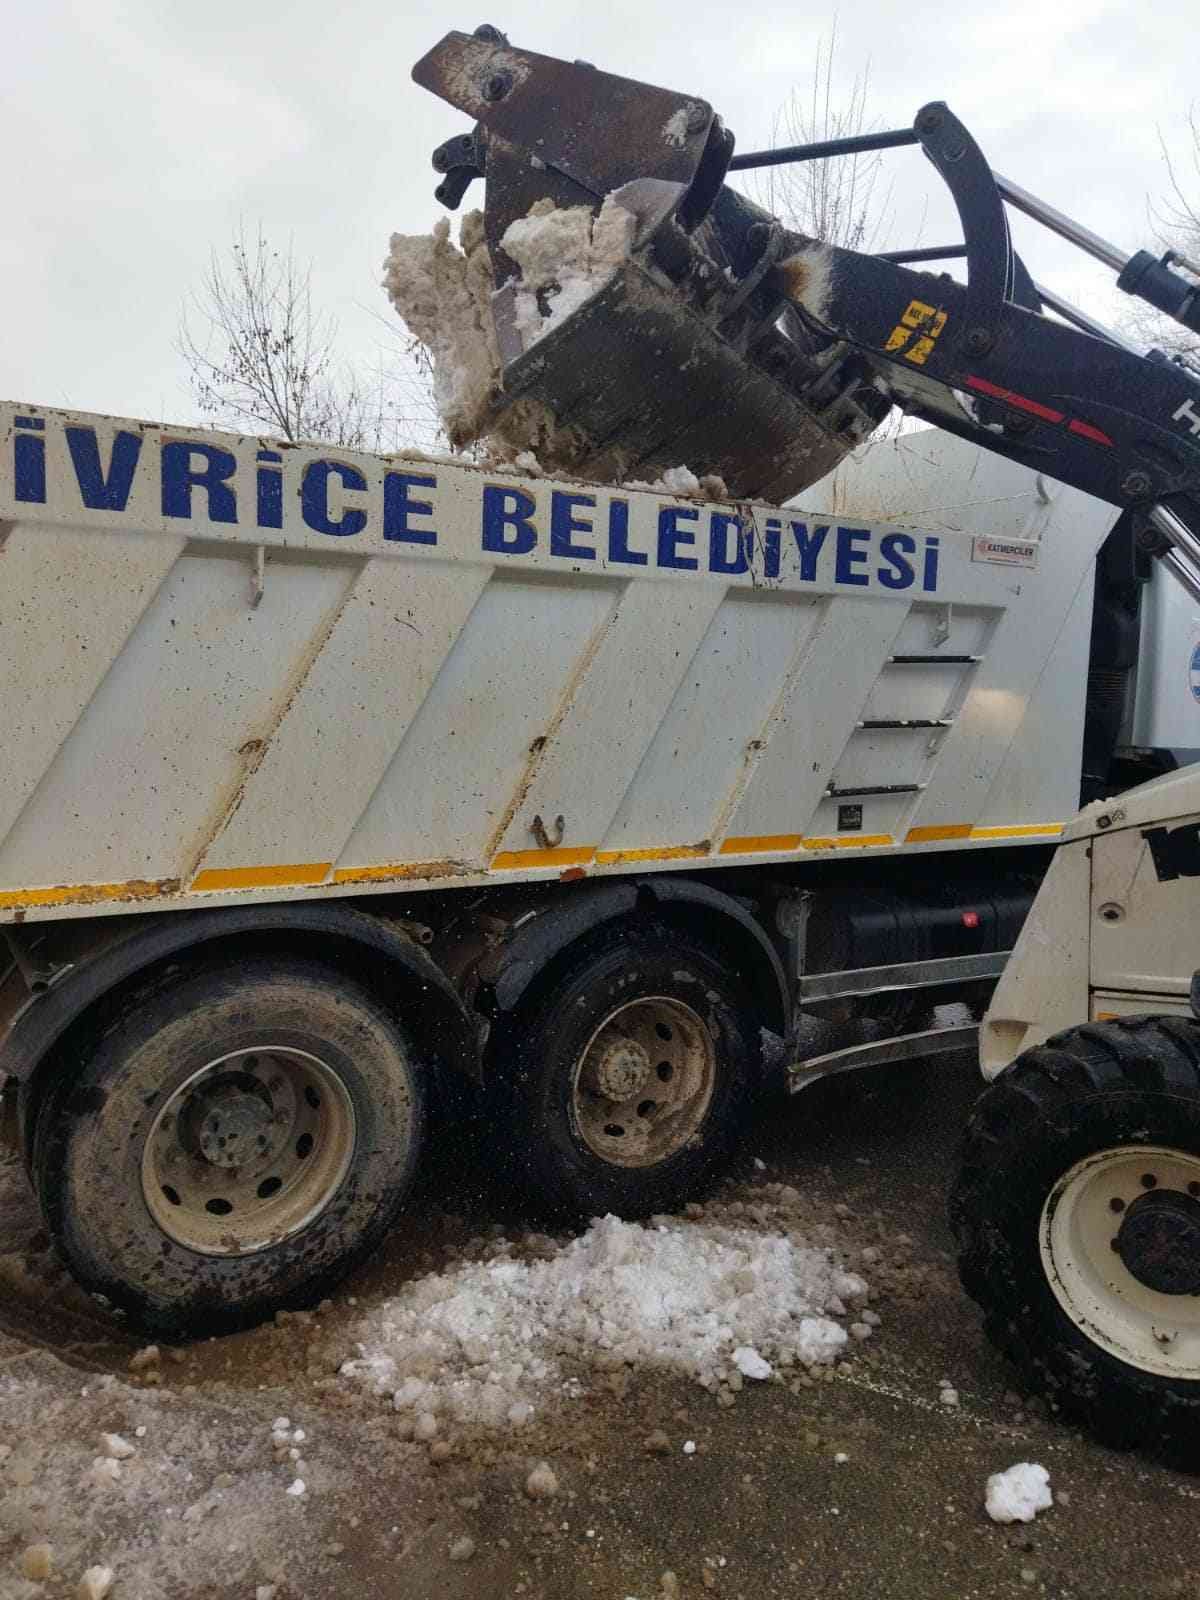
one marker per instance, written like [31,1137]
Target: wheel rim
[1120,1246]
[248,1150]
[644,1082]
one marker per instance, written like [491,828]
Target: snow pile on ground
[565,255]
[1018,1494]
[487,1340]
[162,1490]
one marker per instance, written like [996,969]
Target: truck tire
[26,1120]
[1077,1216]
[140,1157]
[626,1080]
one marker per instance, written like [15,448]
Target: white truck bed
[232,669]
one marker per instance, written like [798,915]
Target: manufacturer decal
[1005,552]
[919,328]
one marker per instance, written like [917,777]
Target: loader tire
[232,1144]
[625,1083]
[1076,1211]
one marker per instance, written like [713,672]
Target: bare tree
[833,200]
[406,379]
[266,358]
[1176,222]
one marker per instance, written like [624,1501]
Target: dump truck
[337,781]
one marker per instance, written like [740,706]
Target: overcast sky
[138,132]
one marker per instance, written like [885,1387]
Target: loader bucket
[687,353]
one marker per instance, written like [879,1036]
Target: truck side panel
[233,670]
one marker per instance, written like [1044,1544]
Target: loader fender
[372,949]
[1044,985]
[725,922]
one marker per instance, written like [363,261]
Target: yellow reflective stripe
[562,856]
[778,842]
[757,842]
[400,869]
[848,841]
[260,877]
[942,830]
[669,852]
[226,879]
[88,893]
[1026,830]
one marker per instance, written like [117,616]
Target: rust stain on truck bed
[89,893]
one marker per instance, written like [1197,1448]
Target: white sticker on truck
[1005,552]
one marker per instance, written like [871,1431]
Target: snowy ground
[717,1297]
[607,1432]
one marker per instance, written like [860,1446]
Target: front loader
[1077,1203]
[726,339]
[729,342]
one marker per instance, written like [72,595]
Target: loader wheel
[625,1083]
[233,1145]
[1077,1216]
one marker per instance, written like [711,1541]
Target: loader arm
[768,354]
[983,360]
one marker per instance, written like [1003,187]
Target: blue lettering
[269,487]
[896,548]
[98,492]
[618,536]
[564,522]
[504,510]
[850,554]
[29,462]
[398,506]
[719,558]
[671,536]
[771,554]
[808,548]
[930,576]
[314,498]
[179,478]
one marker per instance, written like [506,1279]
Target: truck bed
[232,668]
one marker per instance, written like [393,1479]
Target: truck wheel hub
[230,1124]
[1159,1241]
[644,1082]
[248,1150]
[622,1070]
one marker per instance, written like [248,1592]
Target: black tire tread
[1119,1073]
[519,1045]
[54,1116]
